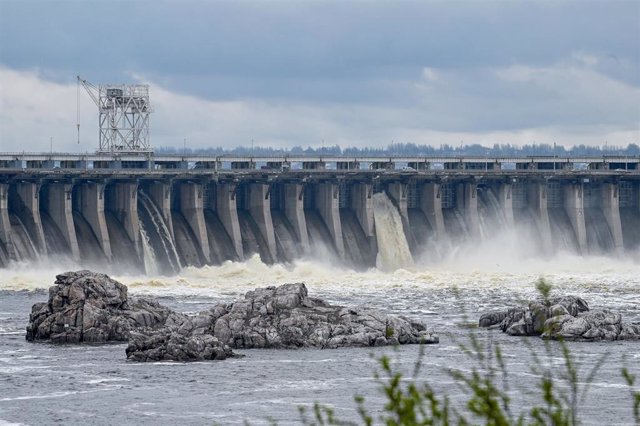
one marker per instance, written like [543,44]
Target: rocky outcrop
[529,320]
[591,325]
[85,306]
[190,340]
[276,317]
[175,344]
[89,307]
[285,317]
[567,318]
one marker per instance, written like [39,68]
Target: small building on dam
[157,214]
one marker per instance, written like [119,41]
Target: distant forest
[411,149]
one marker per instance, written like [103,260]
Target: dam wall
[158,221]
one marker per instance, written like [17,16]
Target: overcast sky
[359,73]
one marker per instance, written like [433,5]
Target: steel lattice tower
[123,117]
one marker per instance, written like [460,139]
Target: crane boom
[91,90]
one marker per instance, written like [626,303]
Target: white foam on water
[6,423]
[49,395]
[106,380]
[487,266]
[17,369]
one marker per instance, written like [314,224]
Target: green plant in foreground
[410,404]
[635,395]
[486,388]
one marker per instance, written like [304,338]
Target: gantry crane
[123,116]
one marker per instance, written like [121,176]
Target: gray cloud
[353,71]
[446,114]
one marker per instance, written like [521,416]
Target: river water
[42,383]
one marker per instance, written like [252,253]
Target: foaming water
[273,383]
[148,254]
[393,249]
[474,271]
[34,274]
[447,293]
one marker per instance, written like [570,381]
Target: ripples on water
[95,385]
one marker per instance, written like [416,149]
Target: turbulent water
[148,253]
[90,384]
[41,383]
[393,249]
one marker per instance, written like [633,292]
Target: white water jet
[24,245]
[149,255]
[393,249]
[162,229]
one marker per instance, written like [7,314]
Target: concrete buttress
[362,205]
[537,201]
[431,206]
[5,225]
[294,212]
[191,207]
[58,203]
[574,207]
[228,214]
[259,206]
[327,204]
[611,210]
[29,194]
[160,194]
[91,205]
[123,203]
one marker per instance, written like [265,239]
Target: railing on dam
[150,161]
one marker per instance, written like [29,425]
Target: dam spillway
[159,216]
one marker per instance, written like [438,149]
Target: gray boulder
[590,326]
[172,345]
[630,332]
[190,340]
[529,320]
[276,317]
[89,307]
[493,318]
[285,317]
[85,306]
[566,317]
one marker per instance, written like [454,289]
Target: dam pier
[156,214]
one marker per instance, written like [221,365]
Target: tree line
[411,149]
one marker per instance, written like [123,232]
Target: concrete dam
[157,216]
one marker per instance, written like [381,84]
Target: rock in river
[567,318]
[278,317]
[85,306]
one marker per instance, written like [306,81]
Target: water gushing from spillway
[148,254]
[393,248]
[490,213]
[151,215]
[22,242]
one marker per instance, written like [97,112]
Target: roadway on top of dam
[69,166]
[231,175]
